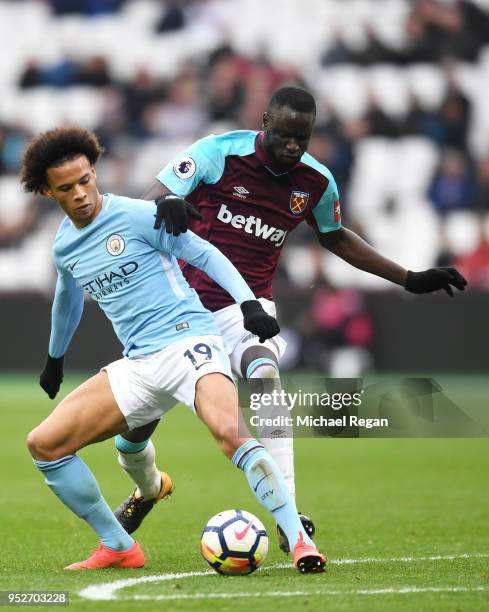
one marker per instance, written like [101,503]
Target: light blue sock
[270,489]
[71,480]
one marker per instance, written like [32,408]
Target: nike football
[234,542]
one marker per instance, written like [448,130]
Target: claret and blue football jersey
[248,208]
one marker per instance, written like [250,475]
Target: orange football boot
[307,558]
[104,557]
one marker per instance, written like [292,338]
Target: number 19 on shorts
[199,355]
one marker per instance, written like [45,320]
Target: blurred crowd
[225,88]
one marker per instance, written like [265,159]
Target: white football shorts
[236,339]
[142,386]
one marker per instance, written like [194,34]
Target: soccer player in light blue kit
[107,247]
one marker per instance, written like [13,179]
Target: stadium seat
[301,265]
[38,109]
[389,86]
[142,14]
[34,255]
[13,200]
[388,20]
[427,83]
[417,159]
[82,106]
[345,88]
[150,158]
[370,185]
[461,231]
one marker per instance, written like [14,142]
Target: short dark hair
[294,98]
[53,148]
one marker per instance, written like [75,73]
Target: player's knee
[259,362]
[266,370]
[35,444]
[41,448]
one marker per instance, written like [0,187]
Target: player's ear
[46,192]
[94,171]
[265,120]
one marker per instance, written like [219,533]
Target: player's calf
[269,488]
[216,403]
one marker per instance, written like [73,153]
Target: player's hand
[174,211]
[52,376]
[435,279]
[257,321]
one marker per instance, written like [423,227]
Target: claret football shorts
[146,387]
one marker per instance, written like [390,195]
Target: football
[234,542]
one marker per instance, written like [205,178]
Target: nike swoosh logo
[71,267]
[241,534]
[206,362]
[260,481]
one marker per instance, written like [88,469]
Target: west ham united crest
[298,201]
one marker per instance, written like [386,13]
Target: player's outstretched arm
[170,208]
[65,316]
[203,255]
[358,253]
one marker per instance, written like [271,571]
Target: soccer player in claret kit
[244,191]
[107,246]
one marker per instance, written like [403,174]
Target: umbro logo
[241,192]
[278,433]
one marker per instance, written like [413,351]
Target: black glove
[435,279]
[52,376]
[174,211]
[257,321]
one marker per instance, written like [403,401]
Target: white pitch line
[389,591]
[108,591]
[409,559]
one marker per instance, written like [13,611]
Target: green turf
[382,499]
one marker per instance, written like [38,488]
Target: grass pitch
[404,522]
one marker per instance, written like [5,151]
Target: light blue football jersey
[131,270]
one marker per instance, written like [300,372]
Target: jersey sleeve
[201,162]
[203,255]
[326,215]
[190,248]
[66,312]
